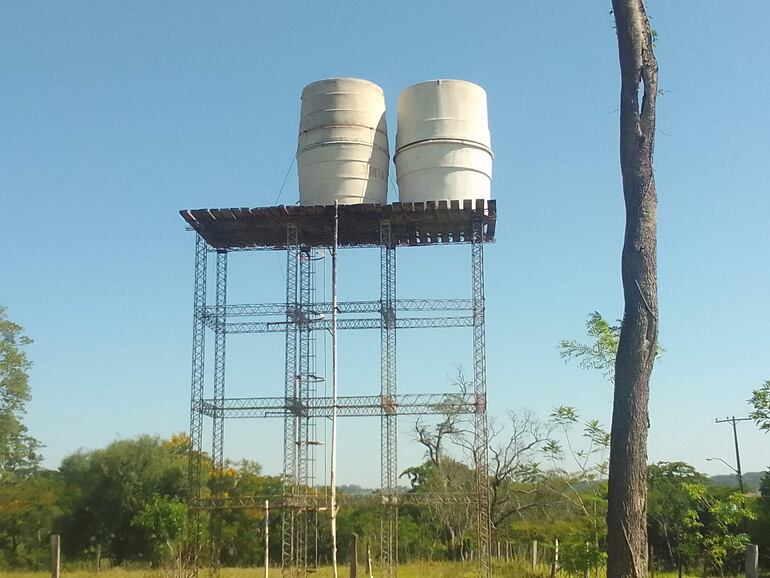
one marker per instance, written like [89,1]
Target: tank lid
[340,81]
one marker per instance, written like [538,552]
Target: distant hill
[751,480]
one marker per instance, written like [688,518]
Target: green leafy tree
[107,490]
[454,522]
[165,520]
[760,529]
[673,521]
[578,559]
[28,509]
[760,402]
[18,450]
[723,520]
[600,353]
[578,478]
[241,531]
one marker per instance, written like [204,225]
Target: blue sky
[115,115]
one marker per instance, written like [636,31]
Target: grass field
[421,570]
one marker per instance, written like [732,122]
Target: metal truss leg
[306,389]
[481,432]
[196,395]
[290,394]
[220,342]
[218,429]
[389,442]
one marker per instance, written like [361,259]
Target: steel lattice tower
[300,231]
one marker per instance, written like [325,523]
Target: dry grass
[418,570]
[424,570]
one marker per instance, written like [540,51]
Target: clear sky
[115,115]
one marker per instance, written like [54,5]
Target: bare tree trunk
[627,495]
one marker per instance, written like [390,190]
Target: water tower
[443,161]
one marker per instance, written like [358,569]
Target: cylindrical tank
[443,147]
[342,152]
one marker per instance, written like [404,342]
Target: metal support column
[196,395]
[290,394]
[481,432]
[388,457]
[306,379]
[220,341]
[218,421]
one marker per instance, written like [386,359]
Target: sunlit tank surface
[342,154]
[443,145]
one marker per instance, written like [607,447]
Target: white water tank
[342,152]
[443,147]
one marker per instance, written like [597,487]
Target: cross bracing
[316,501]
[344,324]
[347,406]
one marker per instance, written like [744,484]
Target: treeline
[126,503]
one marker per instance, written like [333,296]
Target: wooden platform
[429,223]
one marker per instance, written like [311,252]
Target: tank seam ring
[338,142]
[472,143]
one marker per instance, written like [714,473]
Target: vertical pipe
[333,468]
[267,538]
[368,560]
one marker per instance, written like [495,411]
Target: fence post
[651,561]
[752,561]
[534,554]
[354,558]
[368,560]
[555,565]
[55,555]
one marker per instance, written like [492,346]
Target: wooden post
[98,557]
[55,555]
[651,561]
[498,550]
[354,558]
[752,561]
[534,554]
[267,538]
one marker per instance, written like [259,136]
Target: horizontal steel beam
[343,307]
[347,406]
[316,502]
[344,324]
